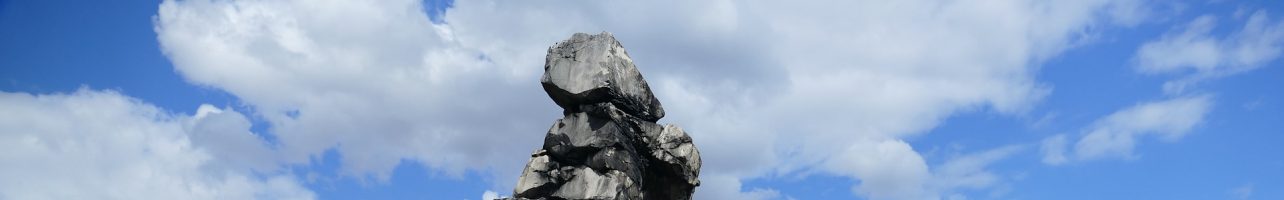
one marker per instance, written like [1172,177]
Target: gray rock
[607,144]
[619,159]
[587,183]
[577,136]
[539,178]
[674,164]
[673,147]
[607,111]
[588,69]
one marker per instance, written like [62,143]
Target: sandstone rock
[607,144]
[673,147]
[577,136]
[595,68]
[587,183]
[539,178]
[627,161]
[677,162]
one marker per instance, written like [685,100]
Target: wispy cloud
[1196,49]
[1116,135]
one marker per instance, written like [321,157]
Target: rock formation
[607,145]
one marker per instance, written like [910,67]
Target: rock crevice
[607,145]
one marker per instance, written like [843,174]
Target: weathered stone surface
[587,183]
[676,162]
[539,178]
[673,147]
[622,159]
[607,144]
[577,136]
[588,69]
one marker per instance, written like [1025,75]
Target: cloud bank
[766,88]
[102,145]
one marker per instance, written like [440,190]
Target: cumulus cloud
[374,80]
[764,87]
[225,135]
[1197,50]
[1116,135]
[888,169]
[102,145]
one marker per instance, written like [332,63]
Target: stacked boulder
[607,145]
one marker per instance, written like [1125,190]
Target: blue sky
[806,100]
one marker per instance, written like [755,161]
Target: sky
[408,99]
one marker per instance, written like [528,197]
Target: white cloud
[490,195]
[374,80]
[723,186]
[1116,135]
[764,87]
[102,145]
[1192,48]
[969,172]
[1169,120]
[225,134]
[888,169]
[1196,49]
[1054,150]
[891,169]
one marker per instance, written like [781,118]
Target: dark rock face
[607,144]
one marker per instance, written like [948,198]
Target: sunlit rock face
[587,69]
[607,144]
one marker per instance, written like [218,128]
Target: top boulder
[589,69]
